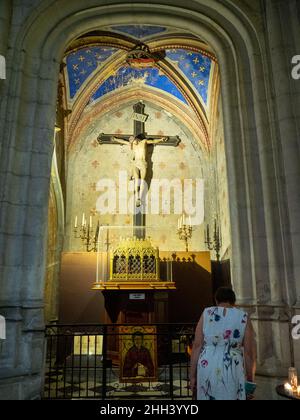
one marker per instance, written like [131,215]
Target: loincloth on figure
[140,164]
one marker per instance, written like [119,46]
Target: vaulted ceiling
[187,75]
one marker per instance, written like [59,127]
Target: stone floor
[266,388]
[70,386]
[59,386]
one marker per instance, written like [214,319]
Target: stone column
[284,42]
[27,123]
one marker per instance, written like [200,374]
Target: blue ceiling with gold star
[82,63]
[195,68]
[127,76]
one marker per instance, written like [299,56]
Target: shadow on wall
[194,291]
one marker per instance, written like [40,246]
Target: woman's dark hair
[225,295]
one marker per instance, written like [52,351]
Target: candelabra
[185,232]
[86,233]
[215,243]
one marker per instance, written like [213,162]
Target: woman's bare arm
[198,343]
[250,352]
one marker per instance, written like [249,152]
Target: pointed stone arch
[28,117]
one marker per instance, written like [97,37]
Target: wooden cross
[140,119]
[139,135]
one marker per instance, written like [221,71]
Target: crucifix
[139,142]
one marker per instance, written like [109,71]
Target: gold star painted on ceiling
[89,51]
[194,74]
[81,58]
[182,57]
[201,83]
[75,67]
[90,63]
[83,72]
[196,61]
[77,81]
[190,53]
[202,68]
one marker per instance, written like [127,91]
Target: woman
[224,351]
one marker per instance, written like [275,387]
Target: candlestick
[185,232]
[214,243]
[86,233]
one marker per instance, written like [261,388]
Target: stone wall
[219,210]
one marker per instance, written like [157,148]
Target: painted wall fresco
[89,162]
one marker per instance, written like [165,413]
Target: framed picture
[138,354]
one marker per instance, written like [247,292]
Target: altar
[134,264]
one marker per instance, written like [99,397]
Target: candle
[190,221]
[288,389]
[76,222]
[293,378]
[83,219]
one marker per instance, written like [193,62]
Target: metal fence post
[104,362]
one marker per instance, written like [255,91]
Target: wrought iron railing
[118,361]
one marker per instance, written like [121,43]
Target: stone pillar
[284,42]
[281,196]
[5,20]
[27,123]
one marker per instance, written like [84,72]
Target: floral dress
[221,373]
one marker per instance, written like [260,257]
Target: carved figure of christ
[139,163]
[139,144]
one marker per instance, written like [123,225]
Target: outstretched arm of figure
[158,141]
[120,140]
